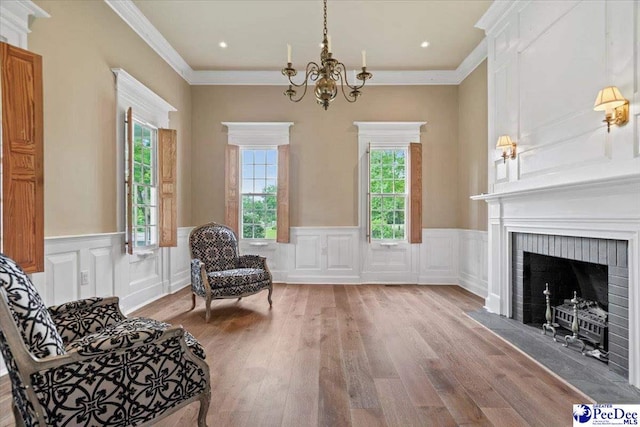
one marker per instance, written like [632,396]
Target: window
[388,197]
[147,199]
[145,191]
[390,170]
[256,182]
[259,190]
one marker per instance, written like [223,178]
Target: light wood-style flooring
[368,355]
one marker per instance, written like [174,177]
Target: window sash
[390,229]
[142,200]
[258,165]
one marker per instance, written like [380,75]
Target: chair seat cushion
[128,332]
[236,277]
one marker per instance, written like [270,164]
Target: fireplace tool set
[585,319]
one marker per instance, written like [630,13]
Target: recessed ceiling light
[223,45]
[424,44]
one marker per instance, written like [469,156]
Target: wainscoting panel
[439,256]
[102,268]
[473,261]
[340,251]
[324,255]
[63,269]
[180,262]
[100,260]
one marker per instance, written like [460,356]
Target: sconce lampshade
[504,142]
[608,99]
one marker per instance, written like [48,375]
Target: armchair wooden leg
[269,296]
[17,417]
[193,301]
[208,312]
[204,408]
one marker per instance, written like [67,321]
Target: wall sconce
[508,147]
[615,106]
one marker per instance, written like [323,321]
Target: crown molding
[472,61]
[497,11]
[130,13]
[275,78]
[15,20]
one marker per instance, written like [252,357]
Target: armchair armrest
[199,282]
[76,319]
[252,261]
[131,333]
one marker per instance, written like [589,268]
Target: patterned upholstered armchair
[84,364]
[218,271]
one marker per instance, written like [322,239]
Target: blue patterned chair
[84,364]
[218,271]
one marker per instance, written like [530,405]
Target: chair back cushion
[34,322]
[215,245]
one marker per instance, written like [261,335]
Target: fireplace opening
[564,276]
[566,279]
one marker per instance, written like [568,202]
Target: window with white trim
[390,170]
[147,158]
[259,192]
[257,180]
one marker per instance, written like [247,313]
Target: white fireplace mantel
[605,208]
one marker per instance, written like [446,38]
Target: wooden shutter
[167,170]
[231,187]
[415,157]
[22,158]
[283,194]
[129,180]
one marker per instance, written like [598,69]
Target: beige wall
[83,40]
[324,147]
[80,44]
[472,149]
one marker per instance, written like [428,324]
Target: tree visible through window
[259,186]
[145,194]
[388,193]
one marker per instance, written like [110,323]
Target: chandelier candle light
[327,75]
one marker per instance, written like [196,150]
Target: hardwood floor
[367,356]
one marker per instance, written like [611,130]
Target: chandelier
[327,76]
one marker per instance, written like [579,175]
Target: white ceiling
[257,32]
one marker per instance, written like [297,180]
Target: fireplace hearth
[595,270]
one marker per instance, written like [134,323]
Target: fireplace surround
[604,208]
[596,268]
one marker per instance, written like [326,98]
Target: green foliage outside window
[144,190]
[259,193]
[388,193]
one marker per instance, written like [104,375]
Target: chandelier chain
[324,32]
